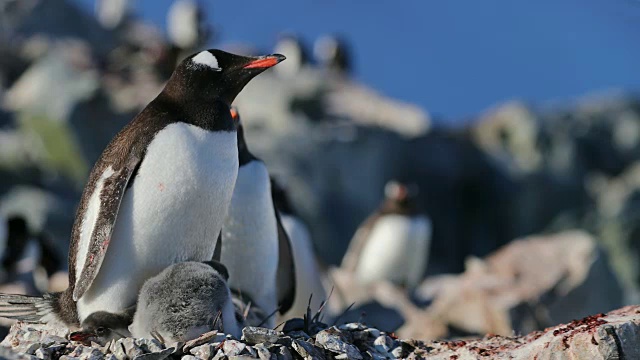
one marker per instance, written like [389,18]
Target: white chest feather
[172,213]
[397,250]
[250,237]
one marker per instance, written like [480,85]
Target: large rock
[528,285]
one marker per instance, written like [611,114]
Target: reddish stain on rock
[588,324]
[161,186]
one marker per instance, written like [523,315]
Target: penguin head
[102,327]
[400,192]
[219,268]
[213,74]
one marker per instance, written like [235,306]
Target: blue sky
[455,58]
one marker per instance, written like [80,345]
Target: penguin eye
[101,331]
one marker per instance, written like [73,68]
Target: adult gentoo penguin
[158,195]
[393,243]
[308,273]
[255,247]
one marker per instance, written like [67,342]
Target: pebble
[205,351]
[331,340]
[255,335]
[233,347]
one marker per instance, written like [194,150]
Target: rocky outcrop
[611,336]
[527,285]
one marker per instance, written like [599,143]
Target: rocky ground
[603,336]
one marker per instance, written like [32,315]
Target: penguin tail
[31,309]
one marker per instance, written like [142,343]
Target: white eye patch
[207,59]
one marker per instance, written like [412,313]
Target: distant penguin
[255,247]
[292,47]
[111,13]
[393,243]
[183,302]
[179,157]
[308,273]
[333,53]
[186,25]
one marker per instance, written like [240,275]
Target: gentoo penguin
[255,247]
[180,303]
[111,13]
[297,57]
[186,25]
[308,273]
[393,243]
[184,301]
[158,195]
[332,52]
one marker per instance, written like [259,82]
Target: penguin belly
[308,276]
[250,238]
[396,251]
[173,212]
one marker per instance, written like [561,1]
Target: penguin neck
[212,115]
[244,155]
[401,207]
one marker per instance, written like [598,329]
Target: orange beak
[234,114]
[265,62]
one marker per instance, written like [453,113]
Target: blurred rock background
[70,80]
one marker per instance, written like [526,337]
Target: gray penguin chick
[184,301]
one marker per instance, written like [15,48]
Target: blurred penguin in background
[28,260]
[187,26]
[308,273]
[393,243]
[292,47]
[333,53]
[111,14]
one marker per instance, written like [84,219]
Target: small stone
[285,341]
[282,353]
[352,327]
[91,354]
[220,355]
[48,352]
[383,344]
[307,351]
[161,355]
[373,332]
[298,335]
[205,351]
[49,340]
[233,347]
[254,335]
[31,349]
[149,345]
[189,357]
[251,351]
[397,352]
[332,340]
[263,352]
